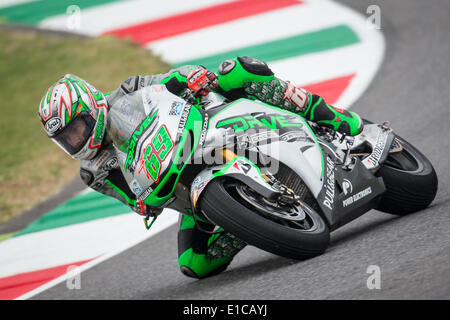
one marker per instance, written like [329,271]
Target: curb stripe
[123,14]
[198,19]
[5,236]
[331,90]
[15,286]
[167,219]
[33,12]
[82,208]
[317,41]
[59,246]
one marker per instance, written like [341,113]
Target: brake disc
[293,212]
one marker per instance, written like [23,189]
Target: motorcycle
[265,175]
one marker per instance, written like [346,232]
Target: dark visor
[73,137]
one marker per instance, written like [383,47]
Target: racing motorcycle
[263,174]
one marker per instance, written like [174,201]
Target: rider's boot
[201,254]
[343,121]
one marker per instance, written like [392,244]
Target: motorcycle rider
[74,115]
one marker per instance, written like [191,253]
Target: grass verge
[31,166]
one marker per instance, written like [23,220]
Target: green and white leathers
[73,114]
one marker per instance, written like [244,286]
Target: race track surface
[412,90]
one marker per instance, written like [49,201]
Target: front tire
[410,180]
[224,204]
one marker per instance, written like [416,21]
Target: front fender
[239,168]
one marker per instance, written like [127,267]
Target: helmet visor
[76,134]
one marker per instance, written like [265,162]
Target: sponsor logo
[200,186]
[148,107]
[329,185]
[244,166]
[141,82]
[196,181]
[110,164]
[175,108]
[135,187]
[99,128]
[197,187]
[144,195]
[295,136]
[356,197]
[158,88]
[183,119]
[260,138]
[204,129]
[271,122]
[130,163]
[227,66]
[374,158]
[195,75]
[53,124]
[347,186]
[102,157]
[125,108]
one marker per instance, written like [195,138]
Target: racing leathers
[201,253]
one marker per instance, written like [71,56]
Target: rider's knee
[188,272]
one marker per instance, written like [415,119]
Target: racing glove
[202,81]
[146,210]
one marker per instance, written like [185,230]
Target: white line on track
[59,246]
[164,221]
[9,3]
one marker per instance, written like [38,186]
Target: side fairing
[276,133]
[151,153]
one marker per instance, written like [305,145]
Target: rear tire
[410,180]
[229,210]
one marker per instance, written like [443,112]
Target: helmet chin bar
[86,153]
[92,146]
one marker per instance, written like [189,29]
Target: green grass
[31,166]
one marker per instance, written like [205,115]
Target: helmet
[73,114]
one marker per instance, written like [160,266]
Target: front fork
[238,168]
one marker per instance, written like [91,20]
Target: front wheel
[410,180]
[292,231]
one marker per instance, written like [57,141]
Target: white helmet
[74,114]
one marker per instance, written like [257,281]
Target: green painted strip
[32,13]
[5,236]
[321,40]
[82,208]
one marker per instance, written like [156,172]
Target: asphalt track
[412,91]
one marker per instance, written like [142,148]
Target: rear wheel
[410,179]
[289,230]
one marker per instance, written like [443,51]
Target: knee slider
[188,272]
